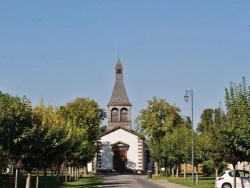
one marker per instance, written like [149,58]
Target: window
[114,114]
[243,174]
[124,114]
[119,71]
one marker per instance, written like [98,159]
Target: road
[127,180]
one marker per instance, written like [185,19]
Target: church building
[121,148]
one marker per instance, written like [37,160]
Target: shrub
[208,168]
[222,167]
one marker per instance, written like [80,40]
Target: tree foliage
[236,129]
[209,131]
[206,120]
[45,136]
[157,119]
[84,117]
[166,131]
[15,119]
[176,146]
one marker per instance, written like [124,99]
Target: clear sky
[63,49]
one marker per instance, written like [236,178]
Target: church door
[120,160]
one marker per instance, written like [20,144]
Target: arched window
[124,114]
[114,114]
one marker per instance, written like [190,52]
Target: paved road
[134,181]
[126,180]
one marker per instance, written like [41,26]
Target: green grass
[9,181]
[93,182]
[204,182]
[86,182]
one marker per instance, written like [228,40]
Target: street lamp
[186,97]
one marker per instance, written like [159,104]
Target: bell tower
[119,107]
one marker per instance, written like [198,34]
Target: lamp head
[186,97]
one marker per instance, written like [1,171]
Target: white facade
[134,160]
[134,152]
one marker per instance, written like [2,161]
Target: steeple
[119,95]
[119,106]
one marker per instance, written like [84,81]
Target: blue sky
[62,49]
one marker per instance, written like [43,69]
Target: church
[121,148]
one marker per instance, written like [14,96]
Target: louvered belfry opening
[124,114]
[119,71]
[114,114]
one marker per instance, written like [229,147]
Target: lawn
[86,182]
[204,182]
[9,181]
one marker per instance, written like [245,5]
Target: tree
[206,121]
[176,147]
[154,122]
[209,130]
[84,117]
[103,129]
[237,126]
[45,143]
[236,129]
[15,120]
[157,119]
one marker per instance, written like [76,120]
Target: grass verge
[204,182]
[86,182]
[9,181]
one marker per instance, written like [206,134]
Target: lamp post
[186,97]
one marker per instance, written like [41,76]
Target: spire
[119,95]
[118,55]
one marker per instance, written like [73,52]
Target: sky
[62,49]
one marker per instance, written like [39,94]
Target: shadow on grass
[9,181]
[206,178]
[86,182]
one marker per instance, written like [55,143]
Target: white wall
[126,137]
[239,166]
[89,165]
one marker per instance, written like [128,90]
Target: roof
[115,129]
[119,64]
[119,95]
